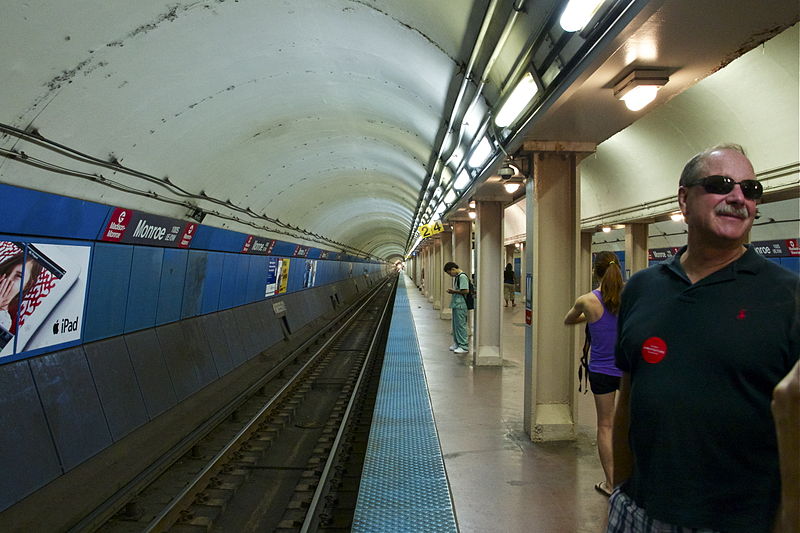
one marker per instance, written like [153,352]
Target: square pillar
[447,255]
[488,315]
[635,248]
[436,272]
[553,252]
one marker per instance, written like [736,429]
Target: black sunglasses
[751,189]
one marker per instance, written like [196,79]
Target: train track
[286,457]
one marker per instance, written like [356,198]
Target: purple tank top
[604,337]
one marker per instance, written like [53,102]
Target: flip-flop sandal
[601,487]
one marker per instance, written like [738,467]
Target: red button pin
[654,349]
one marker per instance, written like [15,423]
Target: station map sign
[134,227]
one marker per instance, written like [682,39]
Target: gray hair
[696,164]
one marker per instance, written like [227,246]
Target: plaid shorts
[624,516]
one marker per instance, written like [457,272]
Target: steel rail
[312,516]
[105,511]
[172,512]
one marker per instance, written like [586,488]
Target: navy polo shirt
[704,359]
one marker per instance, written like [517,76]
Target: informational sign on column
[528,299]
[42,294]
[277,276]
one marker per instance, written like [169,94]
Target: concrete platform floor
[500,480]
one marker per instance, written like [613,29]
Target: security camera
[506,172]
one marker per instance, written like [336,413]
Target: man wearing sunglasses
[703,340]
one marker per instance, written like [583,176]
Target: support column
[447,255]
[553,247]
[488,315]
[436,272]
[426,271]
[635,248]
[584,410]
[462,252]
[431,275]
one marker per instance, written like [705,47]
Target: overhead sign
[134,227]
[428,230]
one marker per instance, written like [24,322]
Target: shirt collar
[750,262]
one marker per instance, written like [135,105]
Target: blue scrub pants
[460,328]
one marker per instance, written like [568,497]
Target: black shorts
[603,383]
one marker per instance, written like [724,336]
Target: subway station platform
[500,480]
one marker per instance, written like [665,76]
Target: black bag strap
[583,369]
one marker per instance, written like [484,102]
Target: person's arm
[578,312]
[786,412]
[623,456]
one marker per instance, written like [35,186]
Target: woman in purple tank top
[599,308]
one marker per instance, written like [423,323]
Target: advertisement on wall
[42,294]
[277,276]
[309,273]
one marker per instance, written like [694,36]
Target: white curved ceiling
[319,121]
[322,113]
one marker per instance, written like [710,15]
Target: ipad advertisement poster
[42,294]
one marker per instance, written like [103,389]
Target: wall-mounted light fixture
[517,101]
[676,217]
[472,204]
[472,215]
[606,229]
[639,87]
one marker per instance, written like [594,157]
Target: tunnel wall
[158,326]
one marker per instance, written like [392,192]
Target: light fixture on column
[472,215]
[639,87]
[472,204]
[676,217]
[606,229]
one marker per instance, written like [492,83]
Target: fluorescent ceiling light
[439,209]
[438,192]
[462,180]
[481,154]
[519,98]
[450,196]
[578,13]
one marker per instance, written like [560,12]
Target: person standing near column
[600,308]
[459,306]
[703,341]
[509,280]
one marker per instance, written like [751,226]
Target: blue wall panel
[143,288]
[108,291]
[208,238]
[66,217]
[170,292]
[212,282]
[227,293]
[256,278]
[242,270]
[791,263]
[193,284]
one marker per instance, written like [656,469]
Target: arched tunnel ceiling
[323,114]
